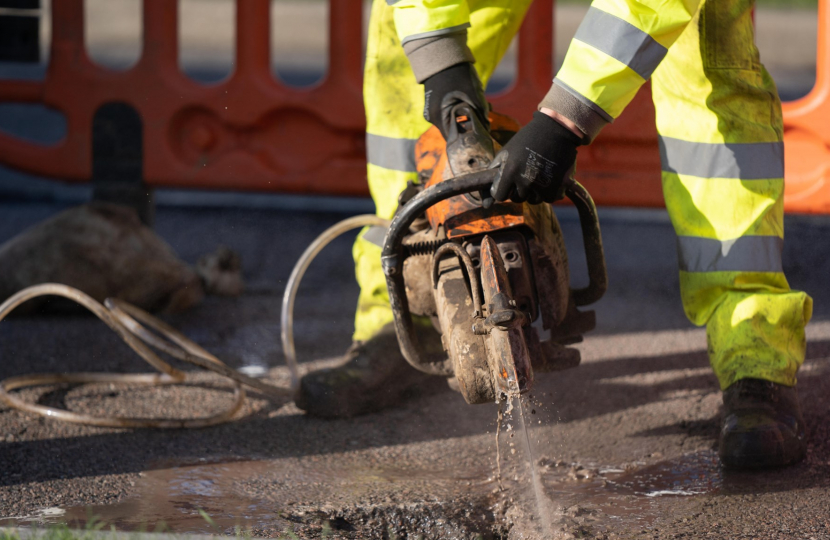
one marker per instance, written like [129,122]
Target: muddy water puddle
[268,497]
[309,495]
[631,498]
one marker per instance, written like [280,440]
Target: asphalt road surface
[624,443]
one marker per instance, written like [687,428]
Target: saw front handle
[592,240]
[392,257]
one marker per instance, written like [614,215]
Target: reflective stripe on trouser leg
[719,120]
[394,121]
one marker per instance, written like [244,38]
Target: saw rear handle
[392,258]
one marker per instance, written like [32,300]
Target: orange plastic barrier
[249,132]
[807,134]
[252,132]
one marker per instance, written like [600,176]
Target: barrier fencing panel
[252,132]
[807,134]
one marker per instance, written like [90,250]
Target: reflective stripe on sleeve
[744,161]
[622,41]
[743,254]
[391,153]
[435,33]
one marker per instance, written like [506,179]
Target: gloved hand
[448,88]
[536,162]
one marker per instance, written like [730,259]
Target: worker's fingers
[520,193]
[534,197]
[503,185]
[559,194]
[486,200]
[551,197]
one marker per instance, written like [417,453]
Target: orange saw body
[485,275]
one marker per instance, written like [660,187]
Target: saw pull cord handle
[392,258]
[592,240]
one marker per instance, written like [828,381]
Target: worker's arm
[615,50]
[434,38]
[433,34]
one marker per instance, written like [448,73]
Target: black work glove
[536,163]
[446,89]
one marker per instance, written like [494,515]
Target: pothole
[350,497]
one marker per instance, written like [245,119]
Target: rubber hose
[129,323]
[287,315]
[125,326]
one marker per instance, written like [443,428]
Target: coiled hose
[131,324]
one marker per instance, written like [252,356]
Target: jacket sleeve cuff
[429,55]
[588,120]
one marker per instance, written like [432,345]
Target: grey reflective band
[434,33]
[392,2]
[391,153]
[744,254]
[621,40]
[594,107]
[744,161]
[375,235]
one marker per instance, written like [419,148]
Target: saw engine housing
[485,276]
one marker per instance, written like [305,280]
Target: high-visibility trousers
[720,127]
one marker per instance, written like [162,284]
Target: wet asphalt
[624,443]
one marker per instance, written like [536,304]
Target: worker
[719,121]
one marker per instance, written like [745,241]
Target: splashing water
[543,504]
[543,510]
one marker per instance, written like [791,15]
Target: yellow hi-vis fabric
[417,19]
[719,121]
[618,46]
[394,104]
[720,126]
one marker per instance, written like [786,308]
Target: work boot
[762,426]
[374,376]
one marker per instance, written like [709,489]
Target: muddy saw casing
[491,279]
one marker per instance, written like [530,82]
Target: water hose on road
[287,315]
[124,319]
[131,325]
